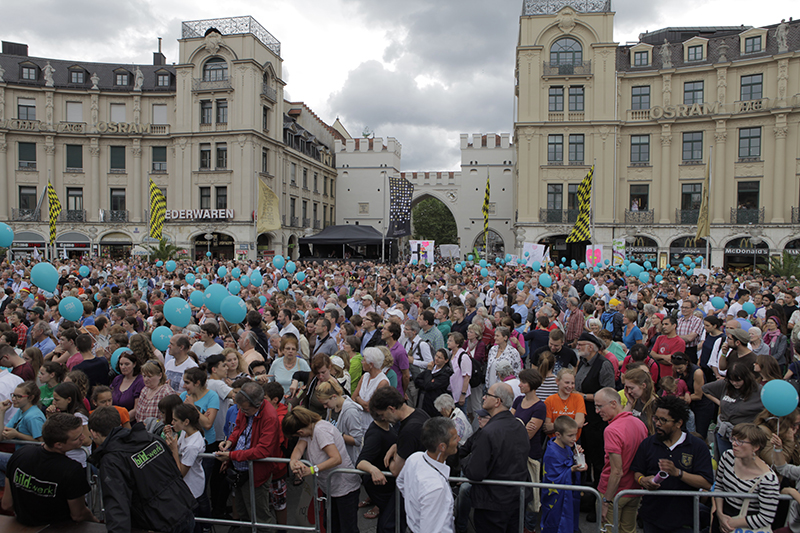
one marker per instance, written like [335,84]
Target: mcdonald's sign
[642,245]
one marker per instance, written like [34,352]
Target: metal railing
[26,215]
[72,215]
[558,216]
[114,216]
[644,216]
[306,222]
[574,68]
[317,224]
[747,216]
[795,215]
[295,222]
[199,84]
[269,92]
[686,216]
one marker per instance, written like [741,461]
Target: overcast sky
[420,71]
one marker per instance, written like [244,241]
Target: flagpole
[383,224]
[591,195]
[708,207]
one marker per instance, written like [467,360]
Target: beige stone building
[203,129]
[649,115]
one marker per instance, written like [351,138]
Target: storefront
[219,244]
[746,253]
[116,246]
[264,246]
[641,249]
[558,248]
[792,247]
[683,246]
[74,245]
[25,242]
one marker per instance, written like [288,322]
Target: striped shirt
[761,511]
[548,387]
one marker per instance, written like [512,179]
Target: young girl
[26,424]
[82,381]
[50,375]
[185,450]
[102,397]
[67,398]
[349,424]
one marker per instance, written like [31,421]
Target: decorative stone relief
[2,104]
[783,80]
[95,80]
[138,79]
[3,147]
[48,71]
[566,19]
[722,85]
[666,140]
[666,55]
[720,137]
[95,109]
[49,108]
[242,139]
[2,73]
[780,131]
[666,91]
[212,42]
[94,151]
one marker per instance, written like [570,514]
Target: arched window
[566,51]
[215,69]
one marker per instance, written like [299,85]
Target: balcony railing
[576,68]
[269,92]
[747,216]
[558,216]
[159,129]
[295,222]
[112,216]
[638,114]
[796,215]
[687,216]
[199,84]
[645,216]
[751,106]
[73,215]
[306,222]
[317,224]
[26,215]
[27,165]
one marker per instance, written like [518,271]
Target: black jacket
[500,451]
[142,486]
[431,386]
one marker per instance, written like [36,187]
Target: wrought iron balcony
[639,217]
[199,84]
[73,215]
[26,215]
[574,68]
[686,216]
[111,216]
[796,215]
[232,26]
[751,106]
[306,223]
[317,224]
[295,222]
[558,216]
[269,92]
[747,216]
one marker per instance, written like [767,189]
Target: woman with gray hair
[371,380]
[448,409]
[506,374]
[499,352]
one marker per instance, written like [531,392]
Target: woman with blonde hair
[155,388]
[546,364]
[234,364]
[766,369]
[641,395]
[141,348]
[350,421]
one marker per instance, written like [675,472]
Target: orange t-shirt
[570,407]
[124,416]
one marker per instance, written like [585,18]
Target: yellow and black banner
[582,230]
[158,210]
[55,210]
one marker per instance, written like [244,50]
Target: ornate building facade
[650,116]
[204,130]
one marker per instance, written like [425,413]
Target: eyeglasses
[661,420]
[492,395]
[737,442]
[19,396]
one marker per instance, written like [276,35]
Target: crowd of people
[582,377]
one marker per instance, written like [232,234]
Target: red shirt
[623,436]
[666,346]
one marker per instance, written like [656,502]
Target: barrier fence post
[521,509]
[696,513]
[252,483]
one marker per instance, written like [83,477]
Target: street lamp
[208,237]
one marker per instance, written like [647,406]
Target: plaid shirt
[574,326]
[687,325]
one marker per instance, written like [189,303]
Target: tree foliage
[163,252]
[432,220]
[785,265]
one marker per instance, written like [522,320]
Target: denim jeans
[463,507]
[4,457]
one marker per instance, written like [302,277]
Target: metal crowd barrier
[694,494]
[521,484]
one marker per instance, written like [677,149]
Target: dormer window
[121,79]
[694,53]
[752,41]
[215,69]
[29,73]
[77,76]
[752,44]
[640,59]
[162,80]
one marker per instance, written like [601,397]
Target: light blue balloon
[527,254]
[208,254]
[536,266]
[626,262]
[300,276]
[690,272]
[196,298]
[583,265]
[491,283]
[749,308]
[291,267]
[6,235]
[233,309]
[45,276]
[235,273]
[551,263]
[648,265]
[213,296]
[161,337]
[607,262]
[545,280]
[283,284]
[256,279]
[458,267]
[508,258]
[244,280]
[197,270]
[97,297]
[205,283]
[692,265]
[588,289]
[484,272]
[659,278]
[497,260]
[234,287]
[190,279]
[413,261]
[699,259]
[470,257]
[171,266]
[563,259]
[222,272]
[115,358]
[70,307]
[177,312]
[596,269]
[262,299]
[482,262]
[159,264]
[779,397]
[84,271]
[644,277]
[623,267]
[687,260]
[278,261]
[520,285]
[718,303]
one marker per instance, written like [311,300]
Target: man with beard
[682,456]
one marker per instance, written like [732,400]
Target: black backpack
[478,375]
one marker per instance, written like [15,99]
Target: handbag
[743,512]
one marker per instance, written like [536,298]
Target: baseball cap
[740,335]
[482,412]
[394,312]
[38,310]
[614,302]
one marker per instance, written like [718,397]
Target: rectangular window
[691,196]
[205,156]
[693,146]
[74,112]
[752,45]
[576,149]
[121,79]
[640,148]
[74,157]
[315,209]
[293,174]
[160,114]
[29,73]
[162,80]
[316,188]
[640,97]
[118,200]
[555,197]
[222,156]
[118,113]
[26,109]
[640,59]
[27,156]
[576,98]
[117,158]
[695,53]
[305,209]
[325,185]
[265,161]
[639,197]
[222,111]
[159,158]
[555,148]
[222,198]
[77,76]
[27,198]
[292,207]
[206,112]
[305,178]
[324,214]
[205,197]
[693,92]
[74,199]
[572,196]
[751,87]
[750,142]
[265,118]
[333,193]
[747,195]
[556,101]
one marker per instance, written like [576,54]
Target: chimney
[158,57]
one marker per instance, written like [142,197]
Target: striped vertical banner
[54,209]
[487,195]
[158,209]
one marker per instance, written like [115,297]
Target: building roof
[676,34]
[551,7]
[231,26]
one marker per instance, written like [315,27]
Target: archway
[746,252]
[497,247]
[793,247]
[115,245]
[559,247]
[684,246]
[431,219]
[263,246]
[292,251]
[640,249]
[25,242]
[76,244]
[219,244]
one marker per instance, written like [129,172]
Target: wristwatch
[606,500]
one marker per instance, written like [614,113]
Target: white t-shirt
[188,448]
[79,454]
[203,353]
[222,390]
[175,372]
